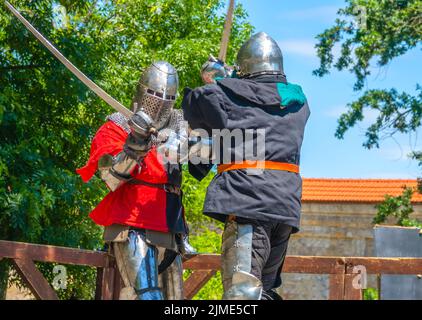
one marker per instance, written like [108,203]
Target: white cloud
[304,47]
[370,115]
[325,13]
[336,111]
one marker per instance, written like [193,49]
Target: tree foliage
[48,117]
[368,32]
[193,199]
[397,113]
[400,208]
[374,32]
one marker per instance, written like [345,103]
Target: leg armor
[171,278]
[238,282]
[137,263]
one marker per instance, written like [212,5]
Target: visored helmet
[156,92]
[259,55]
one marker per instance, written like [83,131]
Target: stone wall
[330,229]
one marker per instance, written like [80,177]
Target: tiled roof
[355,190]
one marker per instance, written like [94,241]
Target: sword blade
[88,82]
[226,32]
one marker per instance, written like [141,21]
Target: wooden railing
[341,270]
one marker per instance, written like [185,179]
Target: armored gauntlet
[214,69]
[116,170]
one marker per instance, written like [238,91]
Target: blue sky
[294,25]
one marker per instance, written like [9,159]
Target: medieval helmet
[156,92]
[259,55]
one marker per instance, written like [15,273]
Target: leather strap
[165,186]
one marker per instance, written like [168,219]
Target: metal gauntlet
[214,69]
[115,171]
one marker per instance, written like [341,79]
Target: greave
[238,282]
[137,263]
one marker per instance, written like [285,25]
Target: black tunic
[252,104]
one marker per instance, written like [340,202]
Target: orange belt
[268,165]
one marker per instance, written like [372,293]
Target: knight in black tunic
[260,207]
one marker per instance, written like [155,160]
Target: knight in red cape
[143,213]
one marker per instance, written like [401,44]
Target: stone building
[337,221]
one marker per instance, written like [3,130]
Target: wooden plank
[195,282]
[292,264]
[350,291]
[34,279]
[203,262]
[313,265]
[321,265]
[118,283]
[106,280]
[107,286]
[336,281]
[385,265]
[99,284]
[336,287]
[46,253]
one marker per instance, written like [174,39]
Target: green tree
[399,207]
[48,117]
[372,31]
[375,31]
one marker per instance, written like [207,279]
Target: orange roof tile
[355,190]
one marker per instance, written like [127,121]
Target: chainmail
[120,120]
[176,121]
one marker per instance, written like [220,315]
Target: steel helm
[259,55]
[157,91]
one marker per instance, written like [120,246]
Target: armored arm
[200,154]
[117,170]
[214,69]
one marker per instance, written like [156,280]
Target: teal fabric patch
[234,74]
[290,94]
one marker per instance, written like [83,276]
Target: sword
[88,82]
[226,32]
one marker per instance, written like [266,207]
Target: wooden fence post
[337,280]
[353,281]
